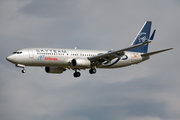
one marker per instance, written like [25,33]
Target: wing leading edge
[115,54]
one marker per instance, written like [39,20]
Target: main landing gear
[78,74]
[92,71]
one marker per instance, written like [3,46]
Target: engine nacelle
[54,70]
[81,62]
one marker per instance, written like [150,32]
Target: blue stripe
[113,63]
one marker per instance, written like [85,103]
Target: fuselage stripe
[113,63]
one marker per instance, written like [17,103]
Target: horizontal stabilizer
[152,53]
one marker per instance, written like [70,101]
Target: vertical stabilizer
[141,37]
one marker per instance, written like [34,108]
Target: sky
[147,91]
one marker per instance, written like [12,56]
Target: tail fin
[141,37]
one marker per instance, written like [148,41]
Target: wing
[115,54]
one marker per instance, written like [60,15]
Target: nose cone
[10,58]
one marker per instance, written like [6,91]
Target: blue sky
[148,91]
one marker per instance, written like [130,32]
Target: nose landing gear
[23,71]
[21,66]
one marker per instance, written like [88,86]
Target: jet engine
[54,70]
[81,62]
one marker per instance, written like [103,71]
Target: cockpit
[17,53]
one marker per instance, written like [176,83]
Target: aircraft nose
[10,58]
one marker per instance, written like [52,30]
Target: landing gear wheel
[77,74]
[92,71]
[23,71]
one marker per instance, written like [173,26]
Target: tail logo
[142,37]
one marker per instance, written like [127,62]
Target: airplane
[57,60]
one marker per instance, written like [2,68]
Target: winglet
[152,36]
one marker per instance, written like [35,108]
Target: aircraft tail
[142,37]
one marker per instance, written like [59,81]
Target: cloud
[145,91]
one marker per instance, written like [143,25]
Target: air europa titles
[48,58]
[42,57]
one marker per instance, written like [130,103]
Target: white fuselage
[56,60]
[52,57]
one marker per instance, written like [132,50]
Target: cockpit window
[17,52]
